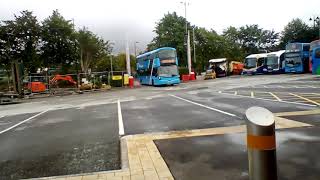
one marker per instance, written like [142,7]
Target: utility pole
[189,52]
[135,48]
[316,20]
[128,58]
[194,48]
[188,36]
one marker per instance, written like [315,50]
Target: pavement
[85,136]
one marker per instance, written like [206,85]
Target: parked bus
[314,59]
[297,57]
[158,67]
[275,62]
[254,64]
[219,66]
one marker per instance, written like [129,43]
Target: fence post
[261,144]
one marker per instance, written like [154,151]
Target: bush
[183,70]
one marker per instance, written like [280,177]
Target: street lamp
[135,48]
[111,67]
[316,20]
[185,14]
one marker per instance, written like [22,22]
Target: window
[317,53]
[167,54]
[250,62]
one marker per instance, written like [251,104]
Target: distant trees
[52,43]
[298,31]
[55,42]
[234,43]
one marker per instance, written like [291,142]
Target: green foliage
[92,49]
[298,31]
[59,45]
[19,39]
[170,32]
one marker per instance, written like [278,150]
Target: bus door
[316,61]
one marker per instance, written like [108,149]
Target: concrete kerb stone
[141,159]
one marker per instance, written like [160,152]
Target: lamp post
[316,20]
[135,48]
[188,36]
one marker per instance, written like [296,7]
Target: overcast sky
[113,19]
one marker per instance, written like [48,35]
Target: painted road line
[211,108]
[275,96]
[121,128]
[252,94]
[288,102]
[236,92]
[309,100]
[24,121]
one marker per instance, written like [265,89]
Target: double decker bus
[158,67]
[297,58]
[275,63]
[315,57]
[255,64]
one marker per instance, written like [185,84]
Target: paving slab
[225,156]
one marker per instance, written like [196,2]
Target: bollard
[261,144]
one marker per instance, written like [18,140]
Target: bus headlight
[159,78]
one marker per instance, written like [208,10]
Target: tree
[297,31]
[20,40]
[59,45]
[92,49]
[170,31]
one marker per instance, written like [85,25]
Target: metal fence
[72,83]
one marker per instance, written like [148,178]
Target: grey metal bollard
[261,144]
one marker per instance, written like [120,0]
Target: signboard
[168,61]
[126,79]
[117,77]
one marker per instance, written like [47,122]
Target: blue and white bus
[275,63]
[297,57]
[254,64]
[315,57]
[158,67]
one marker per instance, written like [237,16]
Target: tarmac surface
[225,156]
[80,133]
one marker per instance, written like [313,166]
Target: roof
[154,51]
[277,53]
[217,60]
[262,55]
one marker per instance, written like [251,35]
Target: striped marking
[306,99]
[24,121]
[121,128]
[275,96]
[211,108]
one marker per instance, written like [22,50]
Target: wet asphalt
[80,134]
[61,142]
[225,156]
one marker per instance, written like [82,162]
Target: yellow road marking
[275,96]
[252,94]
[309,100]
[297,113]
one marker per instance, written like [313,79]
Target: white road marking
[121,128]
[252,94]
[211,108]
[306,99]
[288,102]
[8,129]
[275,96]
[235,93]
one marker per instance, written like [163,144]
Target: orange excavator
[66,78]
